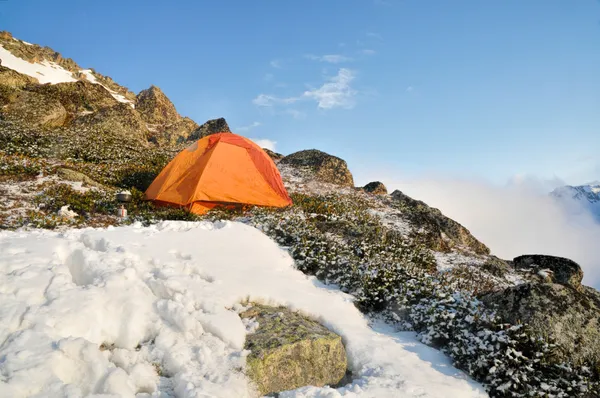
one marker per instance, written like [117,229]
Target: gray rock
[325,167]
[213,126]
[439,232]
[376,187]
[570,316]
[564,271]
[72,175]
[289,351]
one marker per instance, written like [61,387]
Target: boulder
[569,316]
[376,188]
[212,126]
[14,79]
[289,351]
[437,231]
[325,168]
[562,270]
[155,108]
[72,175]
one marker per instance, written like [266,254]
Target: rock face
[119,119]
[571,317]
[35,110]
[213,126]
[289,351]
[440,232]
[376,188]
[155,108]
[76,97]
[562,270]
[326,168]
[273,155]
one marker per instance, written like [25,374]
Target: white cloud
[374,35]
[266,100]
[519,218]
[296,114]
[249,127]
[367,51]
[330,58]
[275,63]
[335,93]
[265,143]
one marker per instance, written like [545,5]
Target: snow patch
[44,72]
[92,79]
[154,310]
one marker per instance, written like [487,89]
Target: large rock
[213,126]
[155,108]
[562,270]
[571,317]
[72,175]
[174,133]
[276,157]
[289,351]
[437,231]
[325,167]
[11,78]
[120,119]
[34,109]
[376,188]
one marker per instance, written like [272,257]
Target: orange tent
[222,169]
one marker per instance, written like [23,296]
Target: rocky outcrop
[376,188]
[155,108]
[552,269]
[120,119]
[276,157]
[437,231]
[172,134]
[11,78]
[289,351]
[76,97]
[34,109]
[75,176]
[213,126]
[569,316]
[325,168]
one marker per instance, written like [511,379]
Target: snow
[92,79]
[98,311]
[45,72]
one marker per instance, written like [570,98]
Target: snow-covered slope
[44,72]
[97,311]
[50,72]
[582,197]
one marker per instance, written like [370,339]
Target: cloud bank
[513,220]
[265,143]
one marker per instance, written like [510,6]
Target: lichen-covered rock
[289,351]
[155,108]
[437,231]
[273,155]
[120,119]
[325,167]
[562,270]
[35,109]
[72,175]
[11,78]
[212,126]
[569,316]
[376,187]
[76,97]
[172,134]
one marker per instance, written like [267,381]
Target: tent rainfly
[222,169]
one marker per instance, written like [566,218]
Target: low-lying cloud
[516,219]
[265,143]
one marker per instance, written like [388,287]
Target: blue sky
[468,89]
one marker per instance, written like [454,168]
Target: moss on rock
[326,168]
[289,351]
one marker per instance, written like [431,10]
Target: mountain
[153,304]
[582,197]
[40,89]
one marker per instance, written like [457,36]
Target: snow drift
[151,311]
